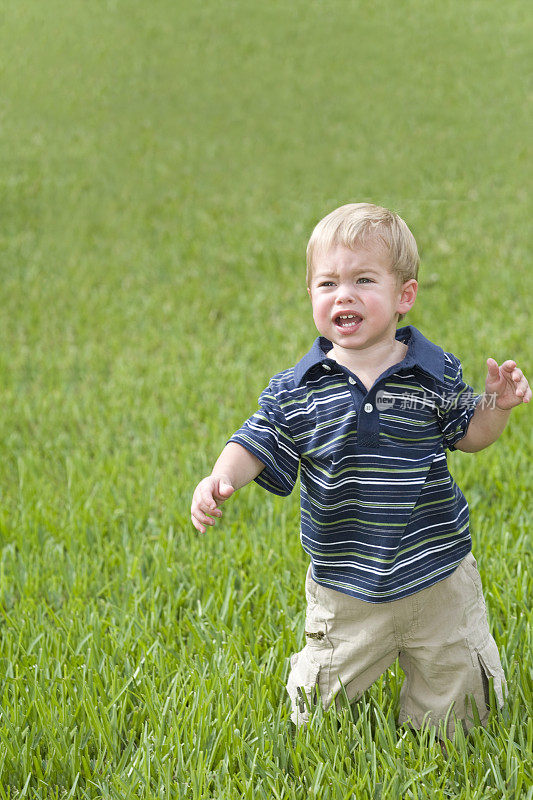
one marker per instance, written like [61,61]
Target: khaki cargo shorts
[440,634]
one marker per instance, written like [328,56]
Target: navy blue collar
[421,353]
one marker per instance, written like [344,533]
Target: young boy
[367,415]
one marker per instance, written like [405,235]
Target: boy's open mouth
[347,322]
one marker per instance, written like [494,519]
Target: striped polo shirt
[381,516]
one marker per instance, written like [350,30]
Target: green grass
[163,165]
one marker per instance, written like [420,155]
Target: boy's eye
[332,283]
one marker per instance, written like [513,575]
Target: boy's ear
[407,296]
[309,292]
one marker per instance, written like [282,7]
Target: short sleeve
[457,404]
[267,436]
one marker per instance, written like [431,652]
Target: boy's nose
[345,295]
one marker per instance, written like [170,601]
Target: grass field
[163,165]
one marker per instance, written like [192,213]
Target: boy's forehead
[368,256]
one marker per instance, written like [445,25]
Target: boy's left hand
[508,383]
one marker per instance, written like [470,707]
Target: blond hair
[362,225]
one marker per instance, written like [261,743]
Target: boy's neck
[370,361]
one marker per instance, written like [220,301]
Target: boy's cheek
[317,315]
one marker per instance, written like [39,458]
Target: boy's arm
[235,467]
[505,388]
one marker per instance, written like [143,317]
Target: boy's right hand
[208,494]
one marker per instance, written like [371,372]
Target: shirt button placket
[368,426]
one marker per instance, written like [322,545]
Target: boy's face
[359,284]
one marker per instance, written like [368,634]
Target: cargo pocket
[302,686]
[308,681]
[490,689]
